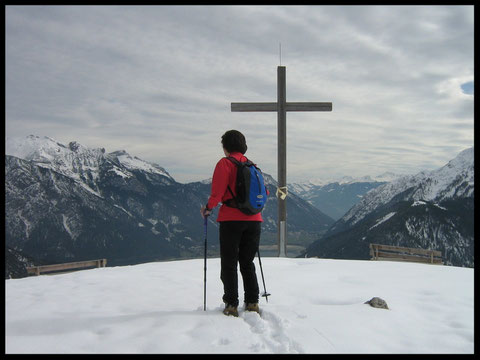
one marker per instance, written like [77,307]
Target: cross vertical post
[281,107]
[282,160]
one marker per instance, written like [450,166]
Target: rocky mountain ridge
[431,210]
[69,202]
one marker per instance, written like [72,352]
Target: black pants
[239,242]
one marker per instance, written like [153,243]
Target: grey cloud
[159,80]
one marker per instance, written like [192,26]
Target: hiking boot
[252,307]
[230,310]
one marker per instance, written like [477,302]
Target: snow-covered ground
[316,306]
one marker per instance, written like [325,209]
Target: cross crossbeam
[281,107]
[289,106]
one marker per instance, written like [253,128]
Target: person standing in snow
[239,233]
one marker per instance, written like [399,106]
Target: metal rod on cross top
[281,107]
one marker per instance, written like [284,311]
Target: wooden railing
[37,270]
[397,253]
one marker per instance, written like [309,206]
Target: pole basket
[266,295]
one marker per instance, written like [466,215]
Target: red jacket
[225,175]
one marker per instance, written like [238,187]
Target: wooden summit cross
[281,107]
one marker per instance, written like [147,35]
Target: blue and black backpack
[250,188]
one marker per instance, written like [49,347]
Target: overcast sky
[157,81]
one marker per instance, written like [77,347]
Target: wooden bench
[397,253]
[37,270]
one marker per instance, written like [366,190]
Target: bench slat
[398,253]
[66,266]
[386,255]
[424,261]
[407,250]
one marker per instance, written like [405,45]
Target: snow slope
[316,306]
[454,180]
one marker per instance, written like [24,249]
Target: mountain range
[70,202]
[336,197]
[430,210]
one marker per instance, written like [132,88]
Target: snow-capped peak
[75,159]
[386,177]
[34,148]
[344,180]
[71,160]
[455,179]
[134,163]
[446,182]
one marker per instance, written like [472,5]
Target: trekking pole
[265,294]
[205,268]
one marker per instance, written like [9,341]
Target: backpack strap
[233,201]
[233,160]
[240,163]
